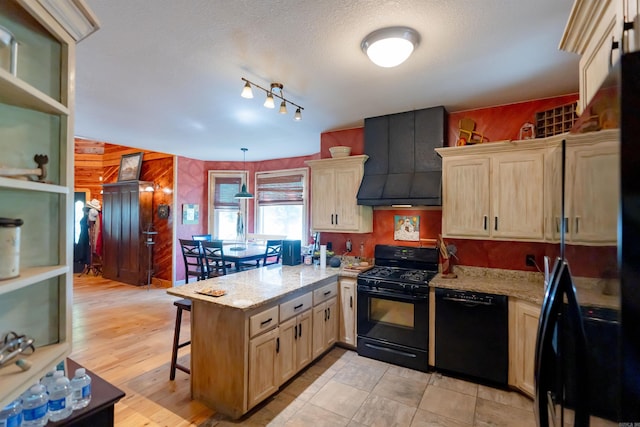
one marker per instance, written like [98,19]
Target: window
[223,207]
[281,203]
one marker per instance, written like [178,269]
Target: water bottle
[34,406]
[11,415]
[60,405]
[81,386]
[47,379]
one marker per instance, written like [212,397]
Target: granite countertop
[527,286]
[253,288]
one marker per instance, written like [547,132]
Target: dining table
[239,253]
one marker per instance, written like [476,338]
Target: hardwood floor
[124,334]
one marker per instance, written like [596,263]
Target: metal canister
[9,248]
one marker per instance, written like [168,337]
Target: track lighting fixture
[269,101]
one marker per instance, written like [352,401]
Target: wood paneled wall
[97,163]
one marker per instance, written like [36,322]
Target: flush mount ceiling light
[391,46]
[269,101]
[244,194]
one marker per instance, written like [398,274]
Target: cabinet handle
[329,313]
[336,219]
[350,302]
[628,25]
[614,45]
[331,219]
[557,225]
[566,224]
[577,222]
[298,306]
[495,225]
[295,332]
[327,293]
[325,314]
[278,345]
[485,222]
[300,330]
[265,322]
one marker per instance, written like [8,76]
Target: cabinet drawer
[324,293]
[263,321]
[295,306]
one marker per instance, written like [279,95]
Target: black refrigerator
[587,367]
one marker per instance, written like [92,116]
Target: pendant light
[244,194]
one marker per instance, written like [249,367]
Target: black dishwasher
[472,335]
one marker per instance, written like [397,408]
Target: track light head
[246,91]
[298,115]
[269,101]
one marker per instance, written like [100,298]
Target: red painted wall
[497,123]
[193,181]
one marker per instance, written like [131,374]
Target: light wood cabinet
[334,187]
[348,289]
[325,326]
[36,117]
[295,345]
[592,187]
[523,331]
[264,372]
[494,191]
[595,31]
[465,204]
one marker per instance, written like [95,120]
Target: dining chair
[192,256]
[273,252]
[213,255]
[206,237]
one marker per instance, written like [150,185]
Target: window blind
[225,189]
[280,190]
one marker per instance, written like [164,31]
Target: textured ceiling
[165,75]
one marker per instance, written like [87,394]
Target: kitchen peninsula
[271,322]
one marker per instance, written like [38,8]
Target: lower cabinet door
[332,323]
[319,320]
[304,349]
[264,378]
[288,349]
[348,311]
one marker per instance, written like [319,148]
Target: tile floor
[344,389]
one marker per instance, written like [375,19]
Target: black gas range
[393,305]
[401,268]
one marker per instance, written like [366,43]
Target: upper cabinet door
[323,190]
[465,205]
[347,184]
[517,186]
[593,192]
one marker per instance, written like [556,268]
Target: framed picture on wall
[190,213]
[130,165]
[406,228]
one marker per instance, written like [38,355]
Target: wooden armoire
[126,213]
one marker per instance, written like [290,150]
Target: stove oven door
[393,326]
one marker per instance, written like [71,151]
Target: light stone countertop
[513,283]
[527,286]
[259,286]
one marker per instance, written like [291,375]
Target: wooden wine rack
[556,120]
